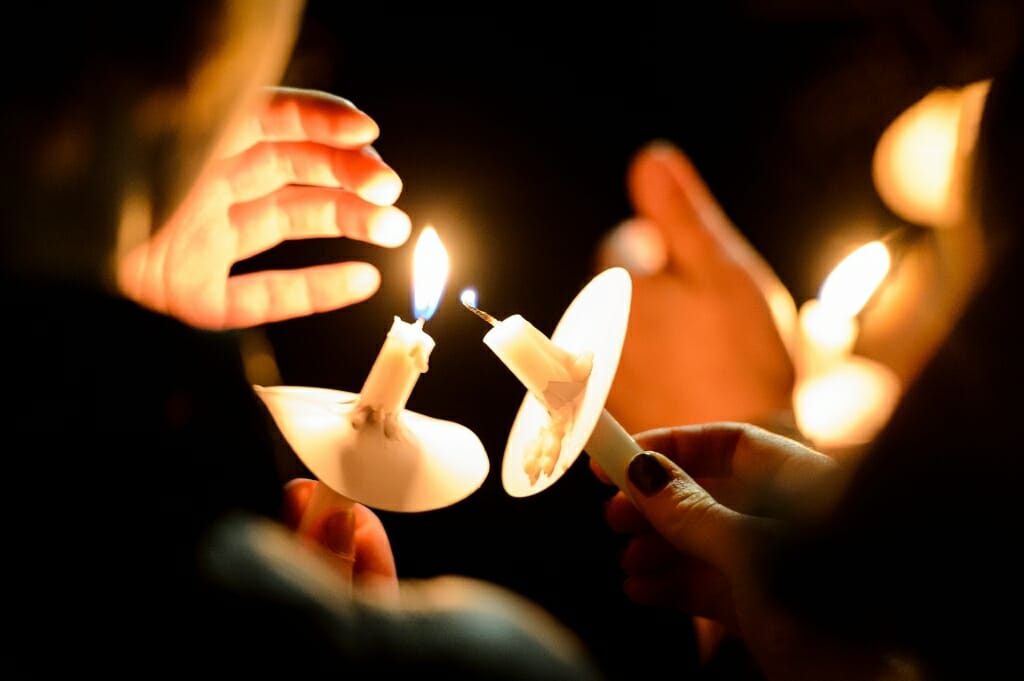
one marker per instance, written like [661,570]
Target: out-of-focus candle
[847,404]
[826,336]
[920,162]
[407,347]
[828,324]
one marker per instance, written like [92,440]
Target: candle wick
[481,314]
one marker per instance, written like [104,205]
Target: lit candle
[841,400]
[407,347]
[828,324]
[558,379]
[846,405]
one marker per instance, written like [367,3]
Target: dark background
[512,133]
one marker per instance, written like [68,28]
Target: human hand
[301,166]
[695,535]
[708,330]
[347,528]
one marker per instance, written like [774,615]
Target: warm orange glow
[826,336]
[429,273]
[920,159]
[846,405]
[854,280]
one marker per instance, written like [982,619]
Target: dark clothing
[921,552]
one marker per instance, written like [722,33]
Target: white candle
[394,373]
[554,375]
[846,405]
[407,347]
[828,324]
[557,378]
[612,448]
[826,337]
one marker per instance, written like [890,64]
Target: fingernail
[390,227]
[339,534]
[647,474]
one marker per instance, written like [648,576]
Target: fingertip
[648,474]
[297,493]
[635,244]
[661,148]
[382,190]
[390,227]
[363,280]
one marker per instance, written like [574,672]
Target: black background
[512,133]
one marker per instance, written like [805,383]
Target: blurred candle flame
[469,297]
[919,158]
[854,280]
[846,405]
[429,273]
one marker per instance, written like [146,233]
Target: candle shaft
[612,448]
[827,336]
[398,366]
[536,361]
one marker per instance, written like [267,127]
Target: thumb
[683,512]
[667,190]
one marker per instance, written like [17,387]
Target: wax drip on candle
[553,375]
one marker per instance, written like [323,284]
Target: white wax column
[535,360]
[826,337]
[397,368]
[612,448]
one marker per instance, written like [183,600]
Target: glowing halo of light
[429,273]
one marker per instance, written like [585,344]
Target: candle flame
[469,297]
[429,273]
[852,283]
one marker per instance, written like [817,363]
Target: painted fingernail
[390,227]
[647,474]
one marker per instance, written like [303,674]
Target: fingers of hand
[682,511]
[677,581]
[624,517]
[269,296]
[298,212]
[266,167]
[637,245]
[297,115]
[667,189]
[297,493]
[375,561]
